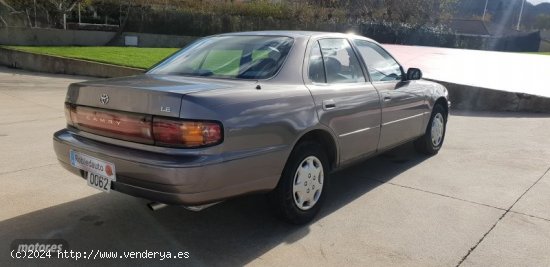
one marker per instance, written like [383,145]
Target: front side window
[381,66]
[341,64]
[237,57]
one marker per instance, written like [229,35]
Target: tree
[19,7]
[413,12]
[419,12]
[63,7]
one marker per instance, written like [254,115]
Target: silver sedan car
[237,113]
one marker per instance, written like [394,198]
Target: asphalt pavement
[482,201]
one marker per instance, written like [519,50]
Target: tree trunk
[2,19]
[28,18]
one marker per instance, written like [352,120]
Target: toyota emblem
[104,99]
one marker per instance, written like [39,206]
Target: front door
[403,104]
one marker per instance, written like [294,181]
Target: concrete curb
[465,97]
[61,65]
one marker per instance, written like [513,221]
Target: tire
[303,184]
[432,140]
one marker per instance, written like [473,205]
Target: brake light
[184,133]
[145,129]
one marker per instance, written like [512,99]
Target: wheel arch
[324,138]
[444,103]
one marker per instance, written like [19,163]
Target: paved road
[484,200]
[511,72]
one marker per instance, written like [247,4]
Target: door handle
[387,98]
[328,104]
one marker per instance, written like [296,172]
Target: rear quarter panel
[256,122]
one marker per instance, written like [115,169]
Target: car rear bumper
[178,179]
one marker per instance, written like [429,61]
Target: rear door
[403,104]
[345,101]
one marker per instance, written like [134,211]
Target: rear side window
[316,66]
[341,64]
[381,66]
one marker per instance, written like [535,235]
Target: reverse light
[185,133]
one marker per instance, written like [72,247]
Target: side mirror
[414,74]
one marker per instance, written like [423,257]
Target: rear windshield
[236,57]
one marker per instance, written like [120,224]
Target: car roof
[297,34]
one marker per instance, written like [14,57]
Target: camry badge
[104,99]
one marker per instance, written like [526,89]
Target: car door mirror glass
[414,74]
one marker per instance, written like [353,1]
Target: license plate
[99,182]
[100,173]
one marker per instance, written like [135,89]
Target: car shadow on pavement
[234,232]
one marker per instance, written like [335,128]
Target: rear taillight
[145,129]
[183,133]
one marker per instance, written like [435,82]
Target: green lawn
[136,57]
[541,53]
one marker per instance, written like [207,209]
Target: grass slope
[137,57]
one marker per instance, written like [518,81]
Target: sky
[535,2]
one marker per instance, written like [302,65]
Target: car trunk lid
[144,94]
